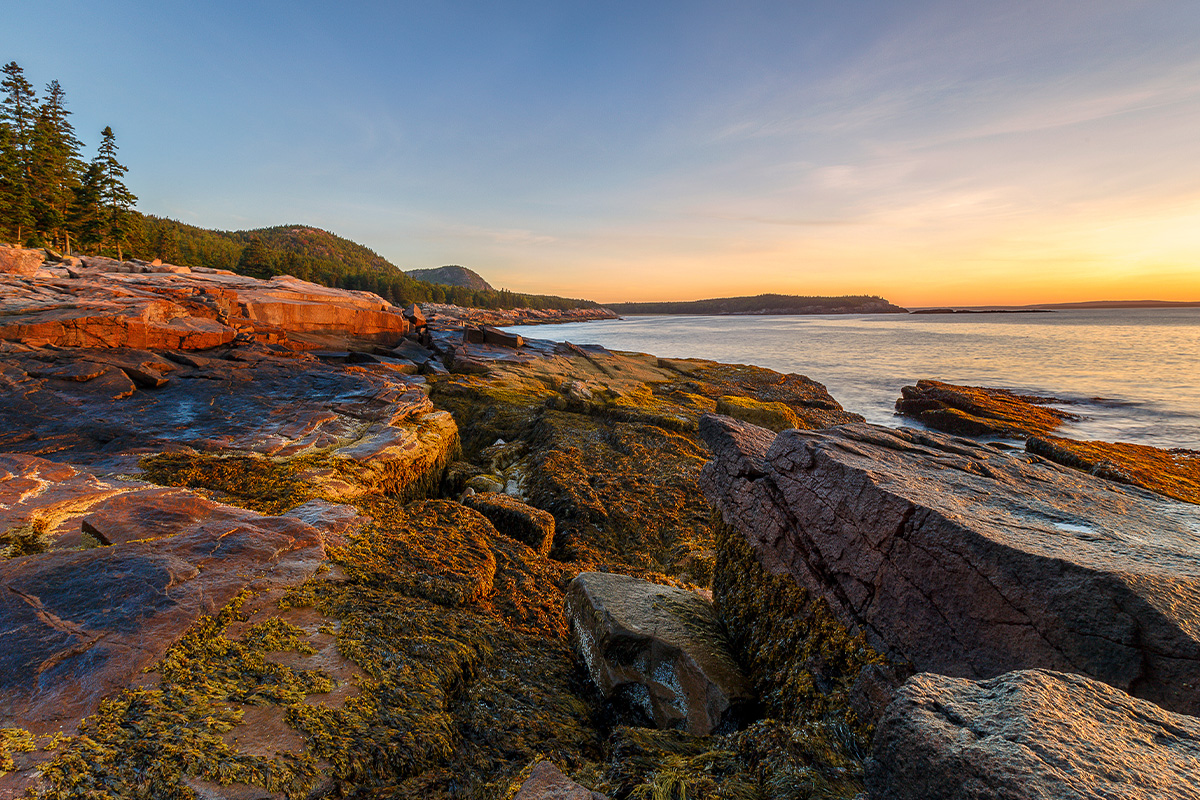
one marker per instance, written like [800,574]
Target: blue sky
[932,152]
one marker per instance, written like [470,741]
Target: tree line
[318,256]
[49,195]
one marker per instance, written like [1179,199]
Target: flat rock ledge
[657,651]
[1030,734]
[968,561]
[107,303]
[79,624]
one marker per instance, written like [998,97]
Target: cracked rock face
[1026,734]
[658,651]
[79,624]
[968,561]
[82,405]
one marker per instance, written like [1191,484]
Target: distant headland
[765,304]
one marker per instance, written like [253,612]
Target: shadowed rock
[658,651]
[515,519]
[968,561]
[1030,734]
[79,404]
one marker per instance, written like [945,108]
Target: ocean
[1133,373]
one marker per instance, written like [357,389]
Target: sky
[933,153]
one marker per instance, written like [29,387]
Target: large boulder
[970,561]
[657,651]
[18,261]
[1030,734]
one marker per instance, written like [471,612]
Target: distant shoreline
[1090,304]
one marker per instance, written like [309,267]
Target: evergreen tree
[115,199]
[14,205]
[55,165]
[16,111]
[85,217]
[256,260]
[20,104]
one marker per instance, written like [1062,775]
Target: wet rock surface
[969,561]
[977,411]
[80,624]
[657,650]
[1173,473]
[79,404]
[1032,733]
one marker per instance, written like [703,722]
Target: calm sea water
[1134,372]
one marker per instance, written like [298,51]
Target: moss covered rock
[659,651]
[515,519]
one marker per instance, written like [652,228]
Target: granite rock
[970,561]
[1026,734]
[546,782]
[80,624]
[658,652]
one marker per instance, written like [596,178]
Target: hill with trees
[316,255]
[51,197]
[765,304]
[452,275]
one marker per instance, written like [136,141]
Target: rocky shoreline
[266,539]
[450,316]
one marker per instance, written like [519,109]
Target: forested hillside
[318,256]
[51,197]
[765,304]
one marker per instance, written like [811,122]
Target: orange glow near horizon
[912,258]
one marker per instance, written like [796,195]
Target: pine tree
[16,111]
[115,199]
[55,165]
[85,217]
